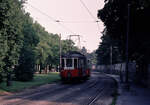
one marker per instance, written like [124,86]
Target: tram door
[82,66]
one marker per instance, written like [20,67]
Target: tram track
[74,96]
[77,92]
[96,97]
[103,92]
[87,93]
[71,91]
[33,95]
[19,99]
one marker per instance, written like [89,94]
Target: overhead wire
[51,18]
[87,9]
[55,20]
[79,21]
[42,13]
[66,28]
[90,13]
[59,22]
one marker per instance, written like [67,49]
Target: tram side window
[85,63]
[69,63]
[75,63]
[81,64]
[63,63]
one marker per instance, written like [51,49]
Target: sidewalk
[135,96]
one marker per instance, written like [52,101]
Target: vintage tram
[74,66]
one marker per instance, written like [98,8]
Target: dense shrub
[24,72]
[1,78]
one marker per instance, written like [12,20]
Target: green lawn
[39,79]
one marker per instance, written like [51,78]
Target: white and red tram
[74,66]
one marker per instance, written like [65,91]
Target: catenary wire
[51,18]
[90,13]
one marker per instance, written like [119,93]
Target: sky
[73,16]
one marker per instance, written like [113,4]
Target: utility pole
[79,42]
[127,44]
[59,52]
[127,47]
[110,58]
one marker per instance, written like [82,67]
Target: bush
[1,78]
[24,72]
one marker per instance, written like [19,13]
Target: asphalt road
[97,90]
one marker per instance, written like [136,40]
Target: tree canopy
[115,18]
[25,43]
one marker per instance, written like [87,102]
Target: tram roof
[73,54]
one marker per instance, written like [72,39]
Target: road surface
[97,90]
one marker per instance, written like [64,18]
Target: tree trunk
[1,78]
[37,67]
[121,76]
[145,74]
[46,69]
[9,82]
[40,70]
[142,73]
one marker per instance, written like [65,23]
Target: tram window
[63,63]
[69,63]
[75,63]
[81,63]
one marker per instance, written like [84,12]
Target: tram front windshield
[68,62]
[62,63]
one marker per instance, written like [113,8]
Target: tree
[84,51]
[11,35]
[24,43]
[3,41]
[26,65]
[115,17]
[104,50]
[47,50]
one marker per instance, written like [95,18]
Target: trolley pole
[60,52]
[70,43]
[78,40]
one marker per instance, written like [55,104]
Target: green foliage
[25,69]
[47,50]
[68,45]
[24,43]
[84,51]
[92,57]
[1,77]
[104,50]
[120,15]
[3,41]
[10,34]
[39,79]
[115,17]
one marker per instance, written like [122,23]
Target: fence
[119,69]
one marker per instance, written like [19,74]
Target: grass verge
[115,93]
[39,79]
[114,100]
